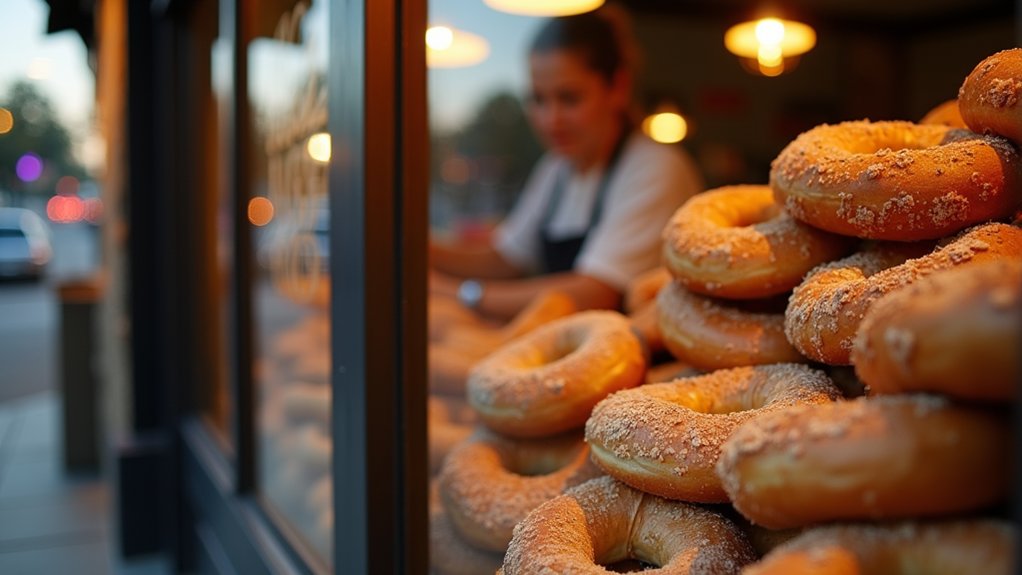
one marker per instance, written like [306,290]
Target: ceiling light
[544,7]
[769,46]
[451,48]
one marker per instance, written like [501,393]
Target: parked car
[25,247]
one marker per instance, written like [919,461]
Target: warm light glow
[439,38]
[319,147]
[544,7]
[6,120]
[766,43]
[665,127]
[65,209]
[452,48]
[260,211]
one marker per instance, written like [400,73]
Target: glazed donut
[890,457]
[932,335]
[548,380]
[989,97]
[896,180]
[735,242]
[449,554]
[490,483]
[825,311]
[604,522]
[665,438]
[965,546]
[945,114]
[709,333]
[447,426]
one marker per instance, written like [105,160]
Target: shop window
[287,216]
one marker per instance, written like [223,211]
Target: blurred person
[590,217]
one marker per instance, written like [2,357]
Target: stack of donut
[893,247]
[531,398]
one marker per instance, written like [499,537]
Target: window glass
[288,218]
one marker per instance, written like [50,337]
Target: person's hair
[602,38]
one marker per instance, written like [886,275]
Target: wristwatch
[470,293]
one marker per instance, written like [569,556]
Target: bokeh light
[65,209]
[260,211]
[29,167]
[318,147]
[6,120]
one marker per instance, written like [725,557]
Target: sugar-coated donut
[989,96]
[665,438]
[887,457]
[933,335]
[825,311]
[490,483]
[710,333]
[449,554]
[897,180]
[735,242]
[945,114]
[604,522]
[643,289]
[548,380]
[448,423]
[966,546]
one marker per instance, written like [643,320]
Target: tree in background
[36,130]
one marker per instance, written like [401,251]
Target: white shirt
[649,184]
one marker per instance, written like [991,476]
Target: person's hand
[441,284]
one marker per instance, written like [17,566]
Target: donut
[447,426]
[710,334]
[604,522]
[906,548]
[643,289]
[825,311]
[489,483]
[945,114]
[932,335]
[735,242]
[896,180]
[887,457]
[449,554]
[450,360]
[669,371]
[548,380]
[665,438]
[646,325]
[989,96]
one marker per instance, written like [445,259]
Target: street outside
[30,318]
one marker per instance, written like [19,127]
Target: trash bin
[79,390]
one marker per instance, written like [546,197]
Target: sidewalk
[51,522]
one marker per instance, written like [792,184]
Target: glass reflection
[288,217]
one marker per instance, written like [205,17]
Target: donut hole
[630,566]
[538,462]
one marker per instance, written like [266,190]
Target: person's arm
[503,299]
[480,261]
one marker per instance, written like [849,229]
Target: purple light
[29,167]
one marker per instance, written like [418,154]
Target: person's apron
[558,255]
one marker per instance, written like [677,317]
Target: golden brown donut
[709,333]
[989,96]
[825,311]
[449,554]
[945,114]
[934,334]
[665,438]
[462,347]
[448,424]
[735,242]
[490,483]
[548,380]
[964,546]
[889,457]
[644,288]
[604,522]
[897,180]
